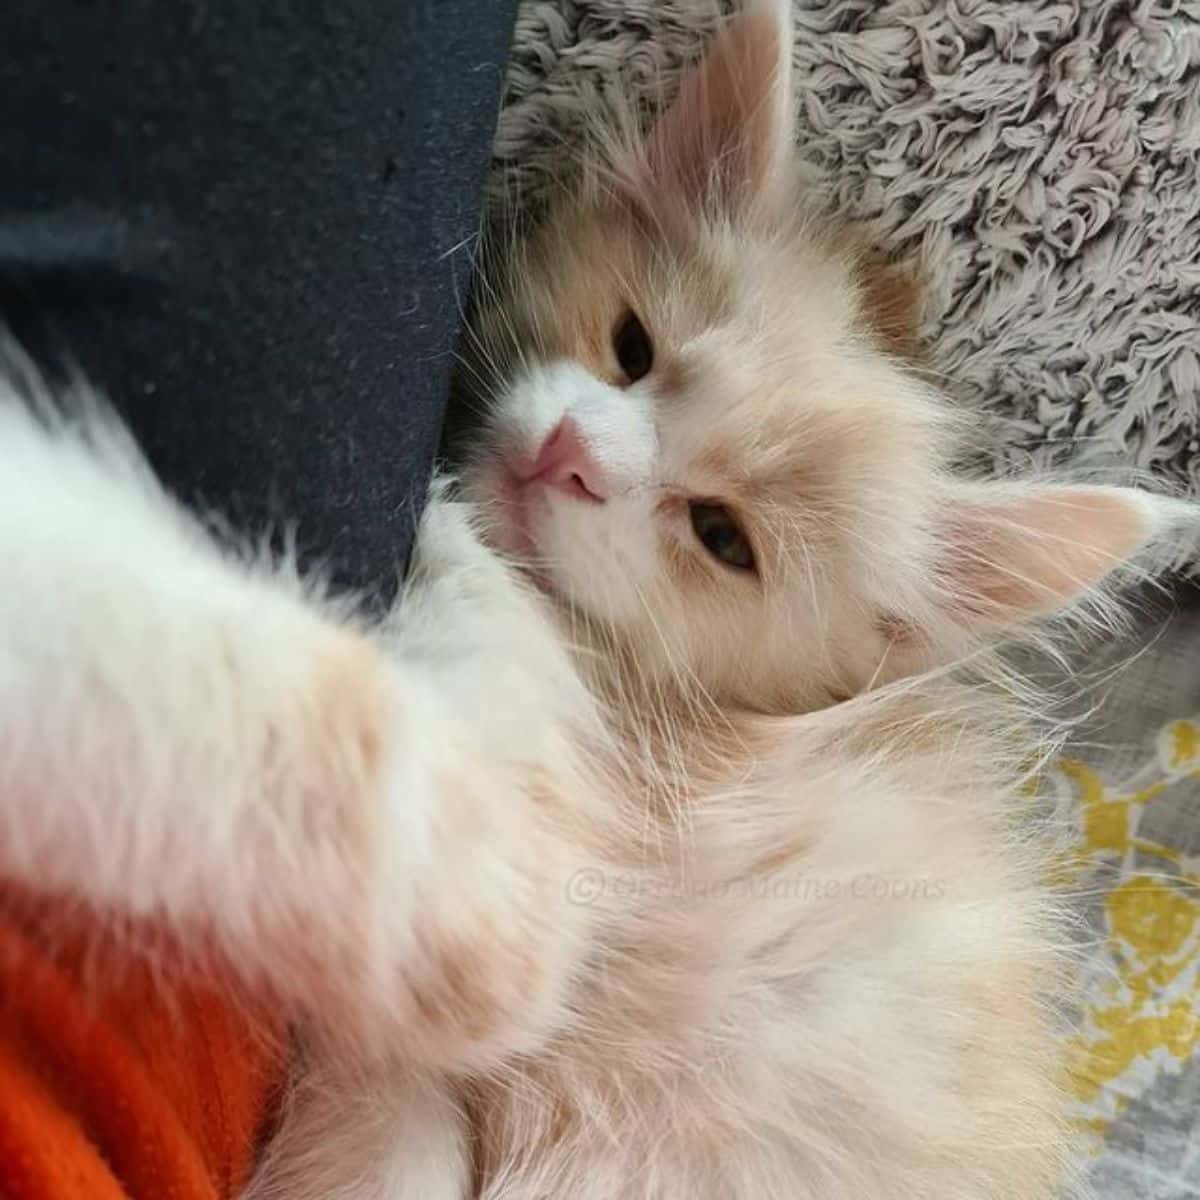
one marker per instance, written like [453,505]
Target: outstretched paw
[448,539]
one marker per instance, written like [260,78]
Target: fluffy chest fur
[820,968]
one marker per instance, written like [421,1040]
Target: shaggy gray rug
[1040,157]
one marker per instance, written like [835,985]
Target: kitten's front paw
[461,595]
[448,539]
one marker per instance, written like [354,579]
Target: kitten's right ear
[1011,553]
[727,136]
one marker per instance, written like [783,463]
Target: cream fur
[578,882]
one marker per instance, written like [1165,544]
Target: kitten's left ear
[1009,553]
[728,134]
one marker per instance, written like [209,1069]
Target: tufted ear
[891,295]
[727,135]
[1009,553]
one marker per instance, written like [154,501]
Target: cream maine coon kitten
[661,858]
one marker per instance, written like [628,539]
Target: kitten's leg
[350,1137]
[378,829]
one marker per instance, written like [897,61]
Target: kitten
[649,848]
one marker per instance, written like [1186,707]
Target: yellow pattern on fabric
[1141,1008]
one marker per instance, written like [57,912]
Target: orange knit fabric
[114,1084]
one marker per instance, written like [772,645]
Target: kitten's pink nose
[566,463]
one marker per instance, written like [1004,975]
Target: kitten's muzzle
[566,463]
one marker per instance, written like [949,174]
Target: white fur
[179,726]
[348,1136]
[618,428]
[617,423]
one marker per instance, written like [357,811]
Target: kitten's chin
[497,496]
[507,508]
[518,522]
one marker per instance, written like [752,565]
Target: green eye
[721,535]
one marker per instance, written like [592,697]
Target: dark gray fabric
[241,221]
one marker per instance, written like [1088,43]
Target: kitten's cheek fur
[602,558]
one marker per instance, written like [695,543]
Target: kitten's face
[699,440]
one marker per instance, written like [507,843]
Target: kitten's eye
[721,535]
[633,349]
